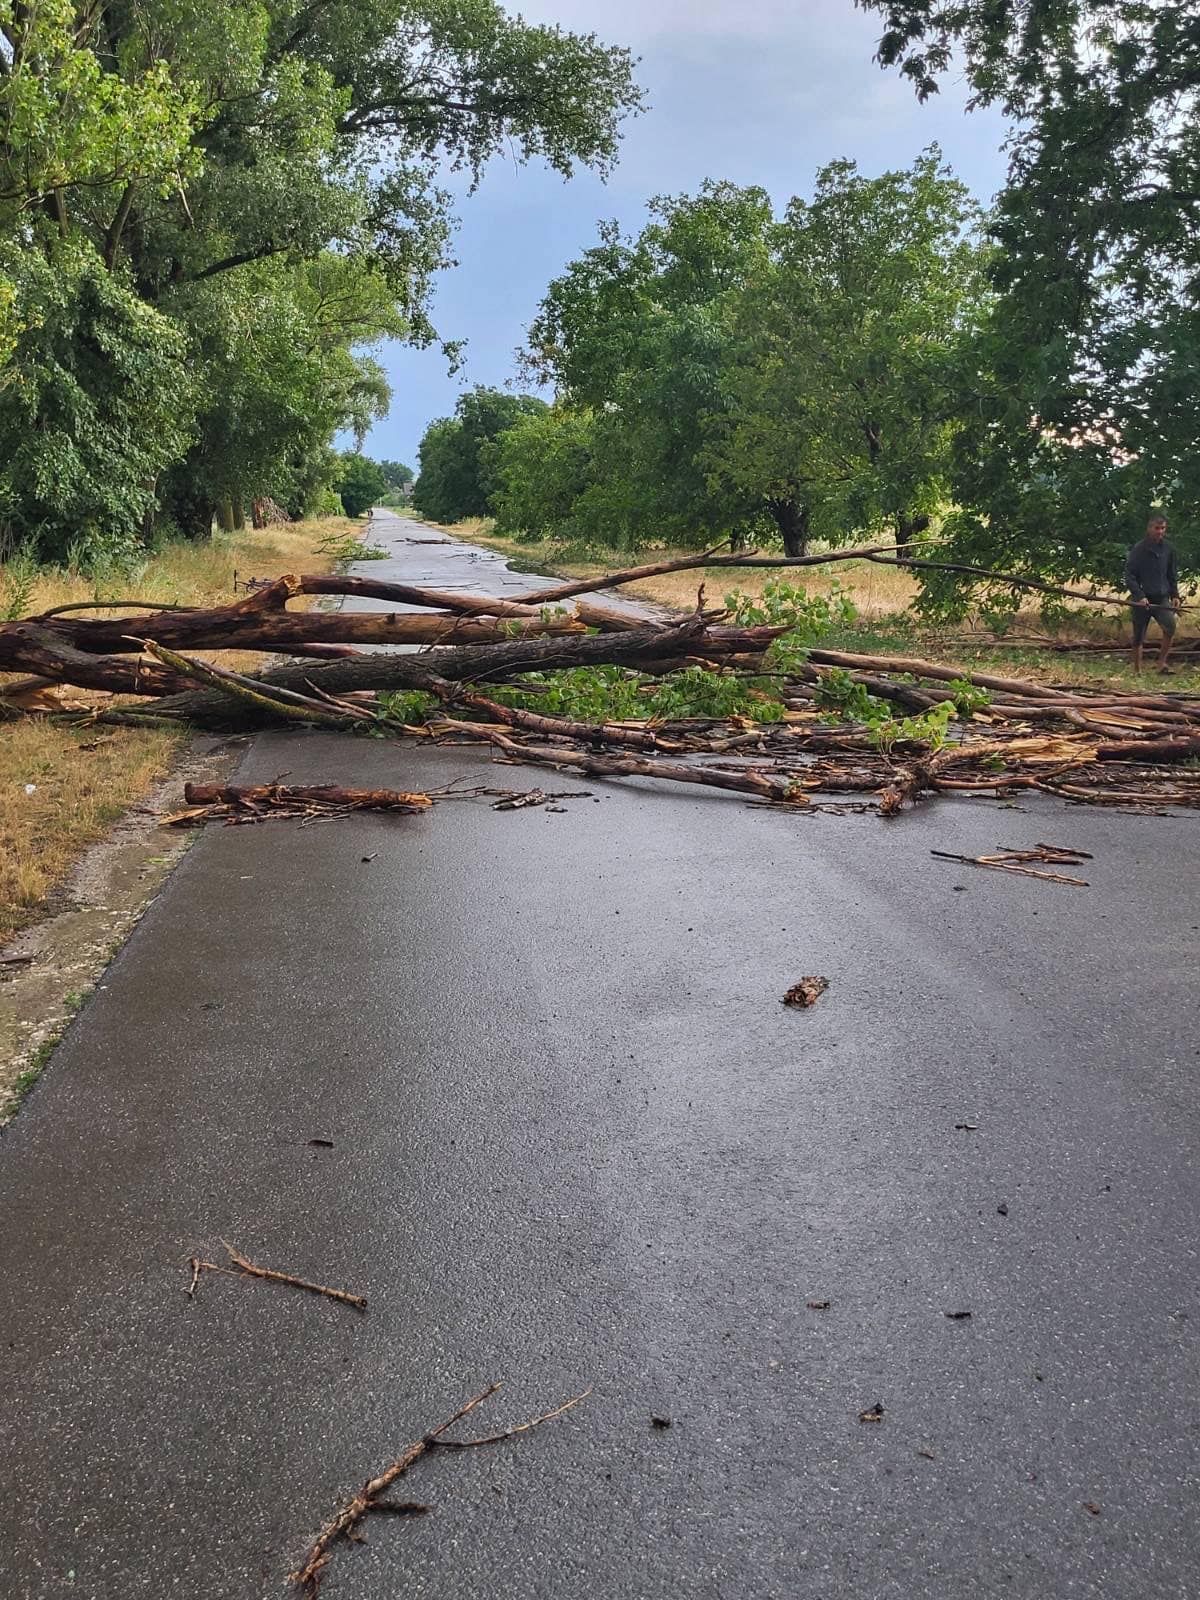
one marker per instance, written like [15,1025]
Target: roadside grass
[61,787]
[885,624]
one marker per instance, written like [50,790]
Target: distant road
[577,1141]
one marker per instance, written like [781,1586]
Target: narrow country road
[576,1141]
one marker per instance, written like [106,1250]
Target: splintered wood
[207,802]
[369,1499]
[1018,861]
[806,993]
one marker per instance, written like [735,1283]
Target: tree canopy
[1088,409]
[360,483]
[726,370]
[456,476]
[259,184]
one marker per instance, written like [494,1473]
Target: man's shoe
[1166,672]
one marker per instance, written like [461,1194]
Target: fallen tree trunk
[709,558]
[474,663]
[562,727]
[26,647]
[467,605]
[1150,750]
[292,632]
[767,786]
[932,669]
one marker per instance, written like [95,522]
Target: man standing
[1152,579]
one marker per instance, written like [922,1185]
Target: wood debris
[243,1267]
[806,992]
[1137,751]
[369,1499]
[1008,860]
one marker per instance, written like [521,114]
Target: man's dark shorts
[1160,611]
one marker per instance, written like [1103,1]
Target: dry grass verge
[62,787]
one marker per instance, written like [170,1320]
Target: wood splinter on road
[806,992]
[369,1499]
[1005,860]
[243,1267]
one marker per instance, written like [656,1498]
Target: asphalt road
[577,1141]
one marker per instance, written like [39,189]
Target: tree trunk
[225,513]
[907,529]
[239,513]
[258,514]
[791,519]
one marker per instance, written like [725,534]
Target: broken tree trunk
[709,558]
[286,632]
[475,663]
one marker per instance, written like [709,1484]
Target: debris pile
[1139,750]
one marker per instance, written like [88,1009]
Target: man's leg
[1166,622]
[1141,620]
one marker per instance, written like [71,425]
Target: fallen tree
[459,648]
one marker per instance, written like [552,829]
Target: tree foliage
[262,178]
[396,474]
[1088,410]
[456,464]
[361,482]
[725,371]
[844,377]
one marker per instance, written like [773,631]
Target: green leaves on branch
[96,401]
[69,122]
[246,195]
[726,372]
[1087,408]
[360,483]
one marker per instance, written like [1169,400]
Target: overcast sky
[756,91]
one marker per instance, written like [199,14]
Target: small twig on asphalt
[246,1268]
[367,1500]
[1009,863]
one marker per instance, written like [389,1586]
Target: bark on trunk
[792,521]
[907,529]
[479,664]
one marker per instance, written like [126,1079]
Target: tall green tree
[226,165]
[397,475]
[636,332]
[455,477]
[741,372]
[543,469]
[845,361]
[360,482]
[1087,409]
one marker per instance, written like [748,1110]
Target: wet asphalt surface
[577,1141]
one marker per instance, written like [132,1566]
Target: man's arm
[1132,582]
[1173,574]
